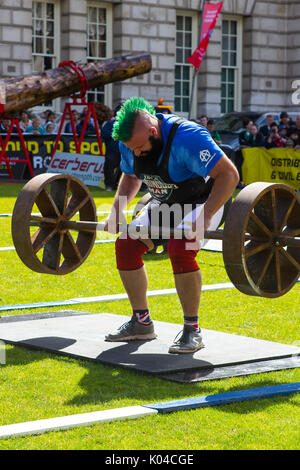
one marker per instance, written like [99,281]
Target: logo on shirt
[157,187]
[205,156]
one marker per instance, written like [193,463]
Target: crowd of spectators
[282,134]
[48,123]
[210,125]
[285,134]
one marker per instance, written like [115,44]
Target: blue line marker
[133,412]
[225,398]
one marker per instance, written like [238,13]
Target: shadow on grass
[106,384]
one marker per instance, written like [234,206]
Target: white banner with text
[88,168]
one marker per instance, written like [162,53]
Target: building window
[231,66]
[44,35]
[98,44]
[182,67]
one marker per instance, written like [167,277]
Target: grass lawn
[36,385]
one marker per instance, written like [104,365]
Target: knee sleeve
[129,253]
[182,259]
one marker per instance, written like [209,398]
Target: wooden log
[32,90]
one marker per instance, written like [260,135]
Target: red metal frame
[14,121]
[78,100]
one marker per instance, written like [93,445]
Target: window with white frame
[44,35]
[231,65]
[99,41]
[182,67]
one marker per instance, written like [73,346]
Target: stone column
[146,26]
[15,37]
[73,30]
[293,55]
[265,57]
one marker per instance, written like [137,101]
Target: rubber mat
[82,335]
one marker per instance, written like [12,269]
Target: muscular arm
[128,188]
[226,179]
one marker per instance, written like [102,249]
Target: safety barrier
[275,165]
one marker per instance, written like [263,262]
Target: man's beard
[155,151]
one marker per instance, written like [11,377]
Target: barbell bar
[286,239]
[82,226]
[260,240]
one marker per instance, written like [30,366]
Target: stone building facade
[252,61]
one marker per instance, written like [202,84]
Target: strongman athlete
[182,165]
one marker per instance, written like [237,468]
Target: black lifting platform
[82,335]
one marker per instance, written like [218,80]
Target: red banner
[210,13]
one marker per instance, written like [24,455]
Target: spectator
[293,141]
[85,110]
[24,121]
[266,129]
[51,118]
[91,121]
[203,120]
[252,138]
[4,126]
[68,126]
[244,137]
[274,139]
[256,138]
[49,128]
[35,128]
[283,131]
[46,114]
[112,154]
[90,129]
[285,120]
[215,134]
[296,127]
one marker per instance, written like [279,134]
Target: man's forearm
[129,186]
[226,178]
[223,188]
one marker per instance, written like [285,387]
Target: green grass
[36,385]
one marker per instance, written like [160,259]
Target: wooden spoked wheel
[261,245]
[41,241]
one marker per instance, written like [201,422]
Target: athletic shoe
[190,341]
[132,330]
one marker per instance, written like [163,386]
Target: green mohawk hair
[127,115]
